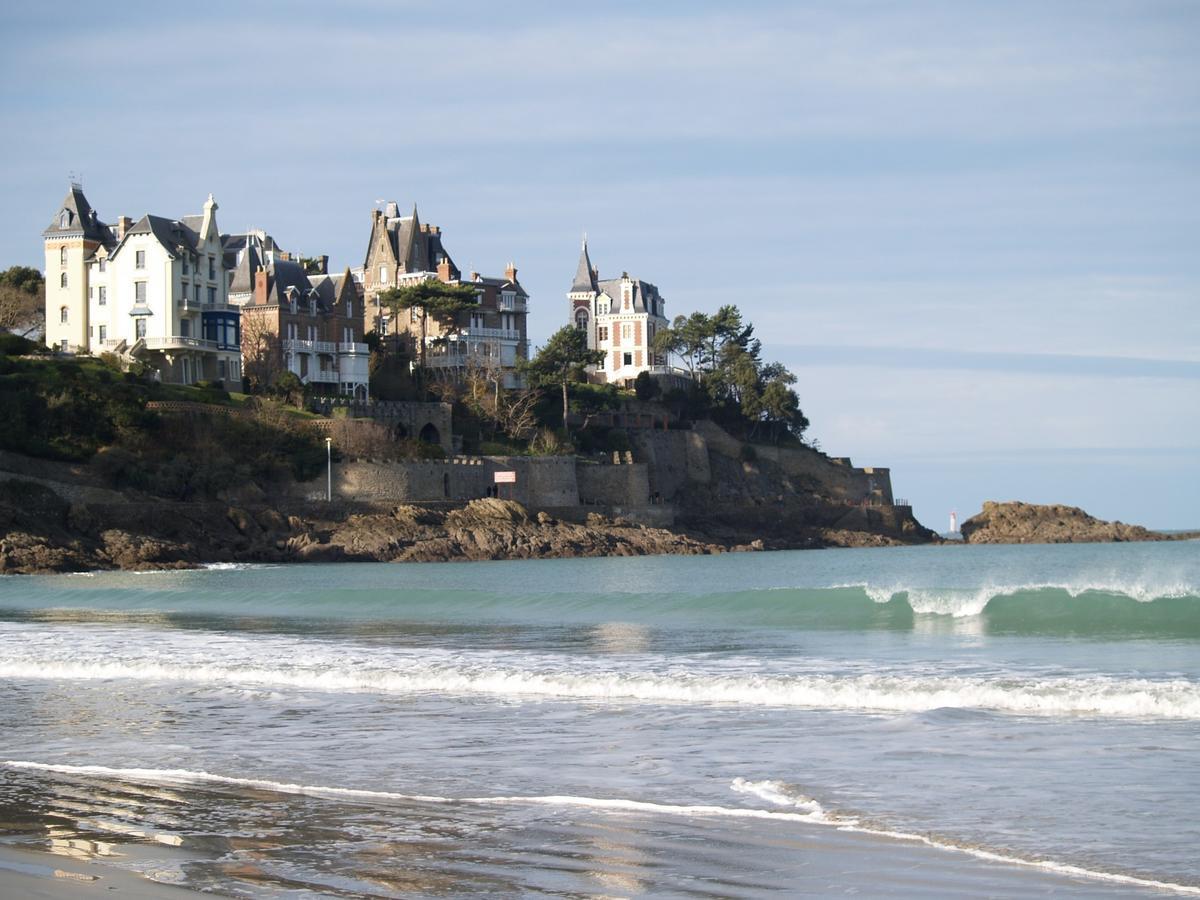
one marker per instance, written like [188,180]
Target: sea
[943,721]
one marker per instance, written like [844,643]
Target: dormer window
[312,306]
[64,221]
[383,275]
[103,264]
[292,305]
[349,309]
[212,267]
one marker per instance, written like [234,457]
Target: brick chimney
[443,271]
[511,272]
[260,286]
[324,259]
[124,223]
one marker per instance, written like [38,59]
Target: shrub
[646,387]
[15,345]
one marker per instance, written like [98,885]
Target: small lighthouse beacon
[954,521]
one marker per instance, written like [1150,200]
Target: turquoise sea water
[669,725]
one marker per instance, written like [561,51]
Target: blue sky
[970,228]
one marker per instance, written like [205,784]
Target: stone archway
[430,435]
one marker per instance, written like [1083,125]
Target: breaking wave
[518,675]
[790,806]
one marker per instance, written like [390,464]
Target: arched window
[62,280]
[62,256]
[64,221]
[63,315]
[581,319]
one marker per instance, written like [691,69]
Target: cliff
[1029,523]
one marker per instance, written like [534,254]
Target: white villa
[155,290]
[621,317]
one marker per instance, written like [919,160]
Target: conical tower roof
[585,276]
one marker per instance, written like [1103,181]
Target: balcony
[178,342]
[188,304]
[311,346]
[325,376]
[345,349]
[491,334]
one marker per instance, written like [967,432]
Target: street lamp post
[328,470]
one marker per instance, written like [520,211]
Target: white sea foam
[554,677]
[774,792]
[965,602]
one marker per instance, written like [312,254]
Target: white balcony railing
[325,376]
[310,346]
[178,342]
[493,334]
[352,349]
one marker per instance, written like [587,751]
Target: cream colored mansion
[154,290]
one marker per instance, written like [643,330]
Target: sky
[969,228]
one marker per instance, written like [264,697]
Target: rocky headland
[42,532]
[1030,523]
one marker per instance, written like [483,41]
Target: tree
[22,300]
[564,359]
[434,299]
[262,351]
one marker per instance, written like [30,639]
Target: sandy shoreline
[42,874]
[832,861]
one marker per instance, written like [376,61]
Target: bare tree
[262,351]
[21,311]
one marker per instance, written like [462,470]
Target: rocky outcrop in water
[1030,523]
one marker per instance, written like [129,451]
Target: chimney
[324,258]
[124,223]
[443,271]
[375,214]
[283,254]
[260,286]
[511,272]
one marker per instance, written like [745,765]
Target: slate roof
[585,275]
[416,249]
[83,219]
[643,291]
[175,237]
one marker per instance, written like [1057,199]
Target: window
[412,314]
[312,306]
[602,333]
[185,265]
[103,264]
[626,331]
[347,335]
[103,333]
[62,281]
[185,328]
[212,268]
[183,293]
[102,295]
[139,291]
[312,332]
[63,343]
[383,326]
[139,328]
[212,296]
[64,315]
[62,256]
[64,221]
[196,292]
[349,309]
[602,308]
[292,305]
[629,359]
[383,274]
[581,319]
[139,259]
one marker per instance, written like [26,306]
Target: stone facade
[402,250]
